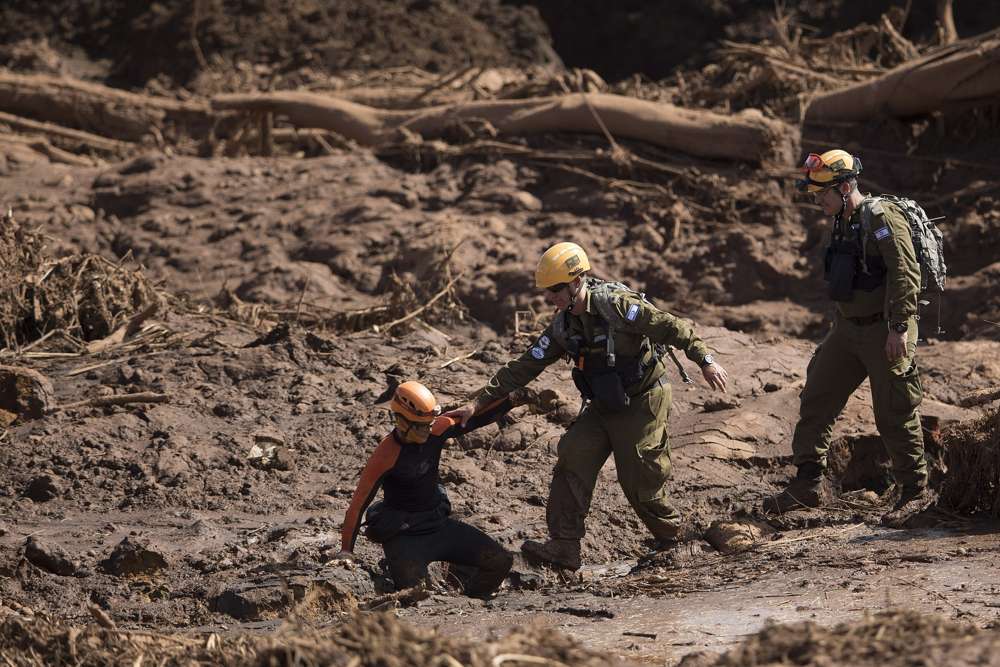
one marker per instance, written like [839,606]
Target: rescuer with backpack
[883,253]
[614,338]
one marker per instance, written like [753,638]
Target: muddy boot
[557,553]
[913,499]
[801,493]
[666,552]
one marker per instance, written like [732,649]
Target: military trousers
[637,436]
[849,354]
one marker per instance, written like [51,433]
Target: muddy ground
[215,513]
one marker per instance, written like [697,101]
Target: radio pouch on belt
[608,390]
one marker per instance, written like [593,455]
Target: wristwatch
[900,327]
[707,361]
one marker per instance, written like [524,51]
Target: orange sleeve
[382,460]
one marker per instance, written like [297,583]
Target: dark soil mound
[664,35]
[176,38]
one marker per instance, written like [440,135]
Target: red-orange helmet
[415,403]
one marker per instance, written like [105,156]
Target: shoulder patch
[544,342]
[882,232]
[537,352]
[633,312]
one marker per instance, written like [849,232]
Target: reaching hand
[895,346]
[716,376]
[462,414]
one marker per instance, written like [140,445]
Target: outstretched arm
[456,423]
[382,460]
[515,374]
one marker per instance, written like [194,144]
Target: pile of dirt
[972,456]
[361,639]
[175,40]
[884,639]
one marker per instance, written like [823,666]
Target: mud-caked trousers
[637,436]
[850,353]
[454,542]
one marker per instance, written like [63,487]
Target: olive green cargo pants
[637,436]
[848,355]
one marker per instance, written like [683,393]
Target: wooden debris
[120,399]
[980,397]
[749,134]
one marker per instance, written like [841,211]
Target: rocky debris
[270,457]
[133,556]
[51,558]
[719,403]
[272,596]
[44,488]
[466,470]
[24,393]
[730,536]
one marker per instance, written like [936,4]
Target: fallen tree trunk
[67,138]
[92,107]
[16,144]
[747,135]
[964,73]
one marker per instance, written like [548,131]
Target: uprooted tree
[747,135]
[965,73]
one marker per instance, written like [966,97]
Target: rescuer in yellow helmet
[615,338]
[874,278]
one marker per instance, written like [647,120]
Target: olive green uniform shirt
[639,320]
[888,236]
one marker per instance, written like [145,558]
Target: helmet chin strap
[573,296]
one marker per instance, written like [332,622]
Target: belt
[866,320]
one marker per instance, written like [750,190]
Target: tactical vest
[846,266]
[599,373]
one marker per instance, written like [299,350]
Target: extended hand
[895,346]
[716,376]
[462,414]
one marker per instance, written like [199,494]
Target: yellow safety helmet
[415,403]
[561,264]
[827,170]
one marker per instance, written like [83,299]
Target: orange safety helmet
[561,264]
[415,403]
[828,170]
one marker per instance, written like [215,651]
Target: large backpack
[928,242]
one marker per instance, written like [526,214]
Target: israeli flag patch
[633,312]
[543,342]
[537,352]
[882,233]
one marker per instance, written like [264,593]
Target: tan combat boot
[558,553]
[801,493]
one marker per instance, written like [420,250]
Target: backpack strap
[559,330]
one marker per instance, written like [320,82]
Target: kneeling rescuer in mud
[413,522]
[611,335]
